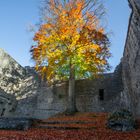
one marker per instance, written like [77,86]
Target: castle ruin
[23,94]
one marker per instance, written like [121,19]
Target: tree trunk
[71,105]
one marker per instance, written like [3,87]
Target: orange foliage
[71,33]
[97,131]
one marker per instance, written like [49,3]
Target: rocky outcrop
[17,82]
[8,104]
[131,61]
[14,79]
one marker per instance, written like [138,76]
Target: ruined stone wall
[54,99]
[131,60]
[26,96]
[8,104]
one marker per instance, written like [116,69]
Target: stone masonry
[32,97]
[131,60]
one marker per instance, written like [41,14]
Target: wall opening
[2,113]
[101,94]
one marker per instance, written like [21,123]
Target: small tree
[70,43]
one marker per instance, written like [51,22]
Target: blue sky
[16,16]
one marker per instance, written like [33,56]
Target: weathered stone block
[121,121]
[15,123]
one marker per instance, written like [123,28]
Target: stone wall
[30,97]
[25,95]
[8,104]
[131,60]
[54,99]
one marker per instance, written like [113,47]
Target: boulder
[15,123]
[121,120]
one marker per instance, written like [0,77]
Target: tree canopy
[71,34]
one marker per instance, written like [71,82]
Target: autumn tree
[71,44]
